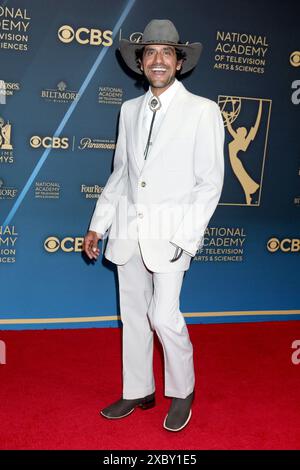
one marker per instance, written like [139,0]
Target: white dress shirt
[165,99]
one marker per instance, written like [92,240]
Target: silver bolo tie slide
[155,104]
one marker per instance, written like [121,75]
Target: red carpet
[55,382]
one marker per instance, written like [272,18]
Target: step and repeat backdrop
[62,83]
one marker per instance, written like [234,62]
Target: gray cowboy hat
[160,32]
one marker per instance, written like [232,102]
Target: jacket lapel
[137,131]
[169,126]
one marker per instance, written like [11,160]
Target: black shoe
[122,407]
[179,413]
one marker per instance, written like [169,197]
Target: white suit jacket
[168,199]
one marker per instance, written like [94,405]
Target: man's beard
[157,84]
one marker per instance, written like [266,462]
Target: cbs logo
[94,37]
[49,142]
[295,59]
[285,245]
[67,244]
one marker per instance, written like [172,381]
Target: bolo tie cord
[149,136]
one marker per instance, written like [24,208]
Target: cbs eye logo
[67,244]
[273,245]
[295,59]
[49,142]
[52,244]
[94,37]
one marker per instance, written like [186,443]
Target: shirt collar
[167,96]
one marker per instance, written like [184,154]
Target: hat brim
[128,52]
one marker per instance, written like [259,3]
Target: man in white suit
[165,186]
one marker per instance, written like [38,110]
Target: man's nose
[158,58]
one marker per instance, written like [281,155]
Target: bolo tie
[155,104]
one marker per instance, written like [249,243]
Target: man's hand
[90,244]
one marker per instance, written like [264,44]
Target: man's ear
[140,65]
[179,64]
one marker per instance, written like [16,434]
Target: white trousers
[149,301]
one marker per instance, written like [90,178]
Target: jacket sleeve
[107,202]
[209,176]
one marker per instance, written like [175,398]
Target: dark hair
[180,54]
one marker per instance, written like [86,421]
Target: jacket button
[143,184]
